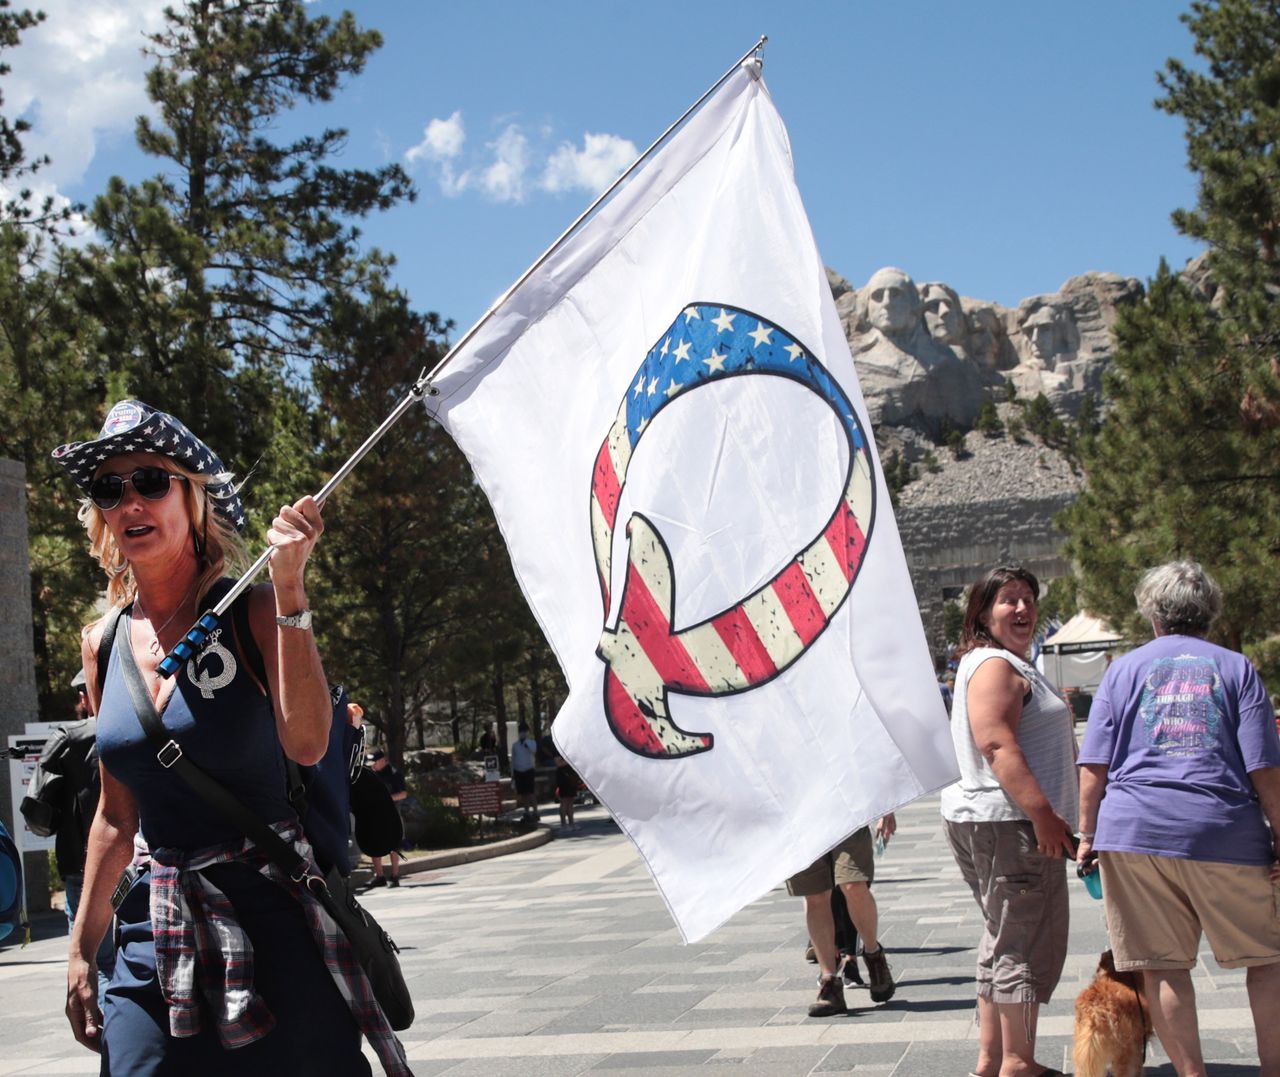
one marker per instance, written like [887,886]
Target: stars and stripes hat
[132,426]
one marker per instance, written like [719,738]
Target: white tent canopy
[1075,656]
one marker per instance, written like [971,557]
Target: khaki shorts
[852,861]
[1023,897]
[1157,907]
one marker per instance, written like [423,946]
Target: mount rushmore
[927,360]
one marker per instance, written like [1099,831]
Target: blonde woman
[219,949]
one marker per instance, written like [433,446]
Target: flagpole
[198,634]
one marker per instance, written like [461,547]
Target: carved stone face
[1041,329]
[893,304]
[943,316]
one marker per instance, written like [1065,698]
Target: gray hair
[1180,598]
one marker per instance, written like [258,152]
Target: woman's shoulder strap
[109,625]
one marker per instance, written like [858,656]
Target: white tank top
[1045,735]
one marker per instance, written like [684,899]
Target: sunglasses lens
[151,482]
[106,491]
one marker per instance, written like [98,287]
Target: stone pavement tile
[936,1059]
[545,1066]
[48,1067]
[801,1059]
[425,1068]
[651,1061]
[425,1029]
[846,1056]
[746,1018]
[510,1023]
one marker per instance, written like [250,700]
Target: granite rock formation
[927,358]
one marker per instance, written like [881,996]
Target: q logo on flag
[759,637]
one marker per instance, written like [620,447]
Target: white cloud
[503,180]
[442,140]
[501,172]
[442,143]
[78,77]
[600,161]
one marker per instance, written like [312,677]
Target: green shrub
[429,823]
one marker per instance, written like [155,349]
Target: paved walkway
[563,960]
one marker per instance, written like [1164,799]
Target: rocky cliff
[927,360]
[928,357]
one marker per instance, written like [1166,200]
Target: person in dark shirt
[567,785]
[394,781]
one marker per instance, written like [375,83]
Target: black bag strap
[107,642]
[170,756]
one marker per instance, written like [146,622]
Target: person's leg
[395,868]
[1263,984]
[1025,910]
[71,886]
[1018,1039]
[864,914]
[378,880]
[1172,1001]
[990,1040]
[971,847]
[822,930]
[567,805]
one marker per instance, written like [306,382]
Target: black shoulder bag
[372,947]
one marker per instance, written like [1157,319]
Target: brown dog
[1112,1023]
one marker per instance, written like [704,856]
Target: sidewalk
[562,960]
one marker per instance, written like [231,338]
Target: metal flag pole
[196,636]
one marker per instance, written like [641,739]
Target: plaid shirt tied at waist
[201,945]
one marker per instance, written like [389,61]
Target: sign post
[480,799]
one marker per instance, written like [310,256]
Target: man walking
[524,762]
[851,866]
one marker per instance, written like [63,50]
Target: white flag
[666,420]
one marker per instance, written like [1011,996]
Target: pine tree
[388,568]
[221,270]
[1186,462]
[51,374]
[1177,471]
[988,422]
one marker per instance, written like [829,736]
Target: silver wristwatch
[297,620]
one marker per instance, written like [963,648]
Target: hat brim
[162,434]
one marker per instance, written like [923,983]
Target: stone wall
[949,546]
[17,658]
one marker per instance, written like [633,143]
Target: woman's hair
[1180,598]
[219,548]
[982,596]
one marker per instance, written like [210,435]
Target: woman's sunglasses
[107,491]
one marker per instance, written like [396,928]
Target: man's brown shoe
[830,1000]
[881,979]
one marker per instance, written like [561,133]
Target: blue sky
[1002,147]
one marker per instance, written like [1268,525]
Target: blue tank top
[225,726]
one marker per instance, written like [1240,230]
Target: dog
[1113,1023]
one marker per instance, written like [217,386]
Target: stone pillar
[17,656]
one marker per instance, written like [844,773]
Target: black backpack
[63,795]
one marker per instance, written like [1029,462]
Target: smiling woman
[277,978]
[1010,817]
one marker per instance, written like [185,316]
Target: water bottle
[1092,876]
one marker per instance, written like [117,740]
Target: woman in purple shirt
[1180,774]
